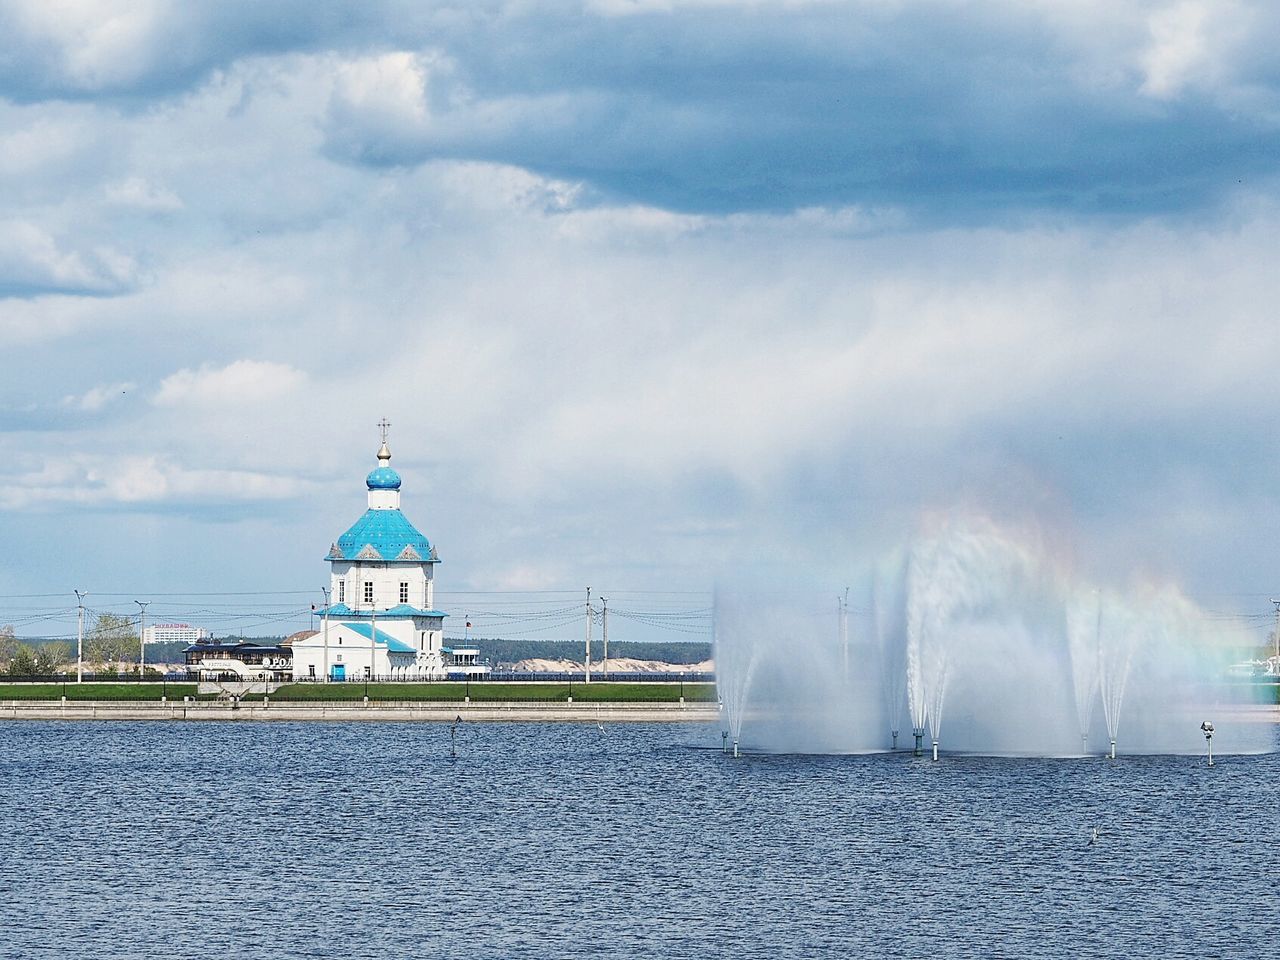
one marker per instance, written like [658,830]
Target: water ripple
[368,840]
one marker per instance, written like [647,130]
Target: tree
[8,646]
[50,656]
[23,662]
[112,639]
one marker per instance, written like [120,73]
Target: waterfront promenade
[348,710]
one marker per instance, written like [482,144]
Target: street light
[142,637]
[324,632]
[80,595]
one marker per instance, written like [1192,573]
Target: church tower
[381,619]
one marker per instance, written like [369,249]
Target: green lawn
[597,692]
[95,691]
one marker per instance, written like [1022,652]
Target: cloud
[87,48]
[390,88]
[241,382]
[96,398]
[138,193]
[32,263]
[137,481]
[956,112]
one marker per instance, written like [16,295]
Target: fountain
[891,650]
[980,628]
[1084,638]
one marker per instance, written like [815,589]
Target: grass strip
[96,691]
[596,692]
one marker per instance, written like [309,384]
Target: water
[144,840]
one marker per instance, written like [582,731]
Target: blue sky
[651,291]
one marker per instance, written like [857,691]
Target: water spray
[919,735]
[1207,727]
[935,750]
[724,741]
[1113,748]
[895,739]
[736,754]
[1084,744]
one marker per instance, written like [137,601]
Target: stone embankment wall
[380,711]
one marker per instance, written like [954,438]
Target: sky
[654,294]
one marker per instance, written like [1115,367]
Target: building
[174,633]
[380,621]
[463,663]
[238,660]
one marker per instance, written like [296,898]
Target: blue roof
[390,642]
[383,535]
[383,478]
[400,610]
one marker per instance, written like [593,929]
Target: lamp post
[324,632]
[1275,637]
[373,643]
[604,632]
[142,637]
[586,663]
[80,595]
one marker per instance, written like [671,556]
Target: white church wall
[386,579]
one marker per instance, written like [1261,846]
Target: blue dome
[383,478]
[382,535]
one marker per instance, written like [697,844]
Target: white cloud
[390,87]
[32,261]
[95,43]
[1178,47]
[241,382]
[96,398]
[138,193]
[97,480]
[32,148]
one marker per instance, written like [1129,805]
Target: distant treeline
[512,651]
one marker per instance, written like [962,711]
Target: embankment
[356,710]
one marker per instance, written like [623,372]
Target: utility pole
[142,637]
[587,662]
[324,632]
[604,630]
[80,595]
[1276,635]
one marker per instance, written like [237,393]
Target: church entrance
[339,671]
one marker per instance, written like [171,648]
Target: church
[380,620]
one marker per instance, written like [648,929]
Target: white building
[174,632]
[380,621]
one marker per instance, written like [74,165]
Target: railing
[521,676]
[173,676]
[524,676]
